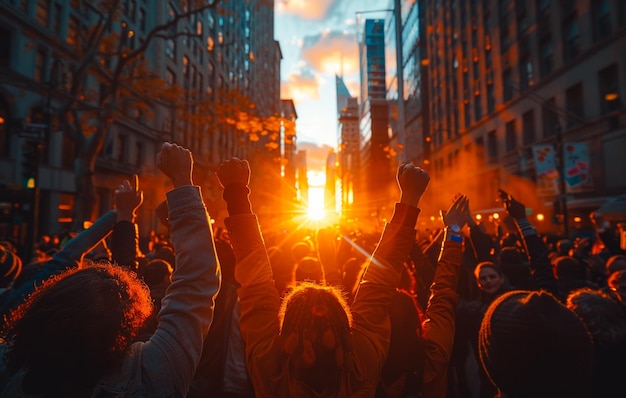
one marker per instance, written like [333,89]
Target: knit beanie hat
[10,267]
[531,345]
[567,267]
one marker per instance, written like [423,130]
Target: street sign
[34,131]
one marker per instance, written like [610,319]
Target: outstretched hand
[176,162]
[233,171]
[412,181]
[516,209]
[127,199]
[458,212]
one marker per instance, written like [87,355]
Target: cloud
[332,52]
[300,87]
[316,155]
[305,9]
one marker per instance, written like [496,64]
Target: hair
[487,264]
[10,266]
[315,329]
[155,271]
[601,314]
[615,263]
[75,327]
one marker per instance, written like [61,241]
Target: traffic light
[30,163]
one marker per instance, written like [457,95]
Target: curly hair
[315,331]
[75,327]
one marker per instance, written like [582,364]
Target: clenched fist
[412,181]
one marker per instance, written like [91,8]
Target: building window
[504,25]
[521,16]
[170,48]
[571,38]
[528,127]
[526,73]
[478,109]
[72,32]
[546,54]
[139,154]
[5,46]
[468,119]
[575,104]
[511,136]
[507,84]
[491,102]
[42,12]
[601,19]
[608,87]
[142,19]
[120,148]
[58,14]
[40,65]
[492,147]
[170,77]
[549,117]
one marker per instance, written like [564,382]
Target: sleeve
[542,276]
[439,319]
[170,357]
[258,296]
[372,327]
[125,244]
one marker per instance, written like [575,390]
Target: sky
[318,41]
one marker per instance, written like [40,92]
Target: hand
[233,171]
[127,199]
[176,162]
[412,181]
[457,213]
[516,209]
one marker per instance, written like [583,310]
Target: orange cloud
[332,52]
[305,9]
[316,155]
[300,87]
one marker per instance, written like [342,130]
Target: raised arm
[259,298]
[170,357]
[125,237]
[542,275]
[439,319]
[372,328]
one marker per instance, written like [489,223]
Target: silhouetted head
[10,266]
[75,327]
[615,263]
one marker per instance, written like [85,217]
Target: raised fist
[516,209]
[128,198]
[233,171]
[176,162]
[412,181]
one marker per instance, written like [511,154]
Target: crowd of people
[244,312]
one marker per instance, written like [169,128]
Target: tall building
[373,118]
[348,156]
[522,90]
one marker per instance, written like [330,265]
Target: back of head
[309,269]
[515,267]
[75,327]
[563,246]
[156,272]
[567,267]
[531,345]
[10,266]
[315,334]
[602,315]
[615,263]
[301,250]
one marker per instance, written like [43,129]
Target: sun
[315,208]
